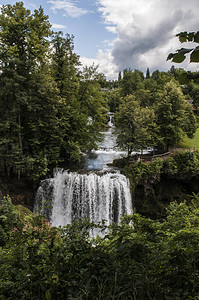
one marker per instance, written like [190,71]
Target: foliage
[46,104]
[187,162]
[135,124]
[191,90]
[8,219]
[131,81]
[190,143]
[113,100]
[147,73]
[155,113]
[174,116]
[142,171]
[181,53]
[180,163]
[129,262]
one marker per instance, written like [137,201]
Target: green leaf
[195,55]
[190,36]
[48,295]
[184,50]
[178,58]
[170,56]
[182,36]
[196,37]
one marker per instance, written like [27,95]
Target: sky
[120,34]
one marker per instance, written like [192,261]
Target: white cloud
[112,29]
[31,5]
[88,61]
[69,7]
[58,26]
[146,30]
[105,64]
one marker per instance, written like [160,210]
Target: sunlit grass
[191,143]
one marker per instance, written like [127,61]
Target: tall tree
[147,73]
[135,125]
[64,66]
[131,81]
[174,115]
[92,105]
[24,50]
[119,76]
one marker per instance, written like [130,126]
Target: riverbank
[156,183]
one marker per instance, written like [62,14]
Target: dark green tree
[23,52]
[147,73]
[135,125]
[131,81]
[174,116]
[119,76]
[92,105]
[64,66]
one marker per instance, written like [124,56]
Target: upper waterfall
[107,150]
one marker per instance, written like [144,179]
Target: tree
[144,96]
[91,101]
[113,99]
[135,125]
[194,93]
[119,77]
[147,73]
[23,52]
[131,81]
[174,116]
[173,71]
[64,66]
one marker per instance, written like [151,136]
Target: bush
[138,259]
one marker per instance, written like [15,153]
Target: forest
[53,111]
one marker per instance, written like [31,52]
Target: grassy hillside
[191,143]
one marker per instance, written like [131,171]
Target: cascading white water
[104,195]
[76,196]
[107,150]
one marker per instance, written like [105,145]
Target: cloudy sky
[119,34]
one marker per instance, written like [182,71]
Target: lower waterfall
[71,196]
[97,195]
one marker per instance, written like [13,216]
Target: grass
[191,143]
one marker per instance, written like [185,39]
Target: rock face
[151,197]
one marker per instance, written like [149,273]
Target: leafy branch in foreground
[180,55]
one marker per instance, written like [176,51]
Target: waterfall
[97,195]
[71,196]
